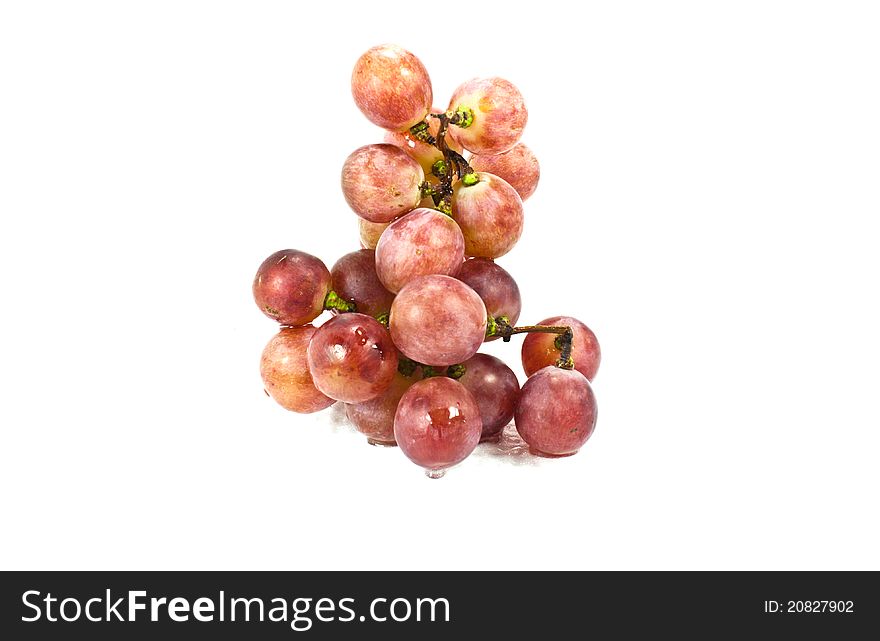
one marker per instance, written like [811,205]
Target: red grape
[499,115]
[423,242]
[519,167]
[490,214]
[437,424]
[285,371]
[438,320]
[375,418]
[370,232]
[556,412]
[391,87]
[423,153]
[495,388]
[495,286]
[381,182]
[351,358]
[539,350]
[290,287]
[354,280]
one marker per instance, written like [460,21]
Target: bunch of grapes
[411,309]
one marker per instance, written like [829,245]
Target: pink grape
[375,418]
[370,232]
[518,167]
[495,286]
[423,242]
[499,115]
[290,287]
[495,388]
[490,214]
[438,320]
[437,424]
[354,280]
[285,371]
[539,350]
[391,87]
[423,153]
[381,182]
[556,412]
[351,358]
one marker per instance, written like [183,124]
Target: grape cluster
[411,309]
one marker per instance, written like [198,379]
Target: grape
[423,242]
[518,167]
[375,418]
[381,182]
[354,280]
[370,232]
[499,115]
[490,214]
[495,286]
[351,358]
[290,287]
[438,320]
[391,87]
[285,371]
[556,412]
[495,388]
[437,424]
[415,379]
[423,153]
[539,350]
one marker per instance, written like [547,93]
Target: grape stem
[408,367]
[564,340]
[453,163]
[335,302]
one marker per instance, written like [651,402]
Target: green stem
[461,117]
[469,180]
[455,372]
[334,301]
[407,366]
[453,163]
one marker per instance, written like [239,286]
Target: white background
[708,205]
